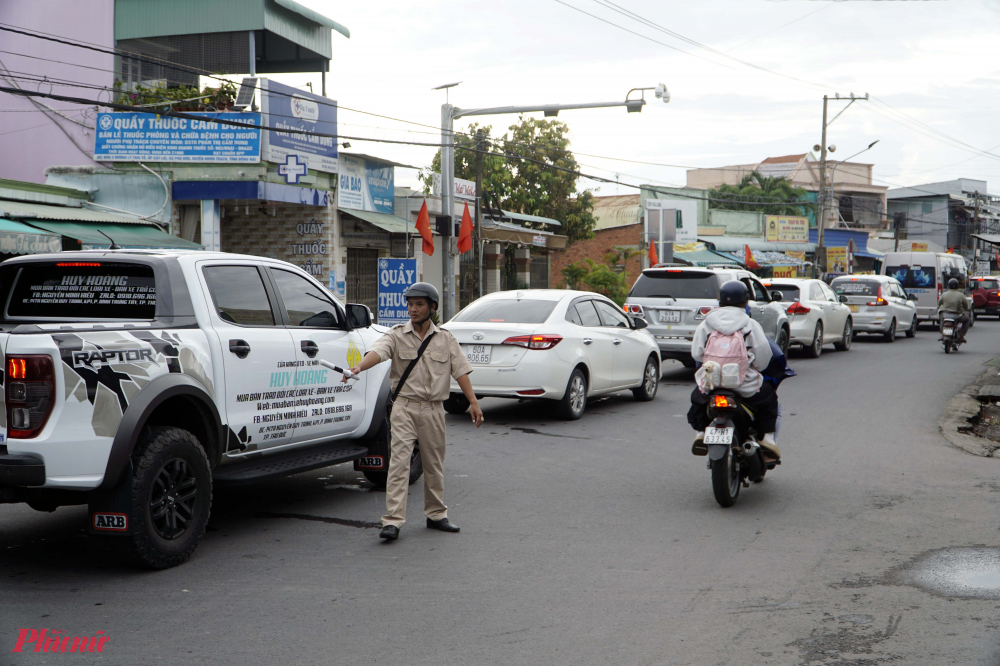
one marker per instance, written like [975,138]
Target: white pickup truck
[133,381]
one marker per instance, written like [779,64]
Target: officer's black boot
[389,533]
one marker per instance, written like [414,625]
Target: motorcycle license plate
[947,332]
[718,435]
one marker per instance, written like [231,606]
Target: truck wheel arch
[150,405]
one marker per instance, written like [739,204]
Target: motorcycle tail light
[722,402]
[533,341]
[30,394]
[797,308]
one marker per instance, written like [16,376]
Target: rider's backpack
[730,352]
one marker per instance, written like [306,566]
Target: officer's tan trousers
[411,421]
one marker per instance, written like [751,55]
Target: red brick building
[603,242]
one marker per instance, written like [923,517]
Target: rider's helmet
[953,283]
[423,290]
[734,294]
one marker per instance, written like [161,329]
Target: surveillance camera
[661,92]
[832,149]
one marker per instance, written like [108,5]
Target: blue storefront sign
[288,108]
[394,277]
[145,137]
[366,185]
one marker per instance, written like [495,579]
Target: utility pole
[978,228]
[898,222]
[477,280]
[820,252]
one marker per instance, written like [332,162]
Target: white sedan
[553,344]
[816,314]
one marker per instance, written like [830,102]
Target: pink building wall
[30,139]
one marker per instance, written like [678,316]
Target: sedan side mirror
[776,296]
[639,323]
[358,316]
[842,298]
[910,297]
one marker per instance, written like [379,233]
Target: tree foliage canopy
[755,188]
[524,186]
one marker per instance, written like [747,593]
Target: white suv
[675,300]
[134,381]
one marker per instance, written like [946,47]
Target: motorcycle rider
[731,316]
[954,303]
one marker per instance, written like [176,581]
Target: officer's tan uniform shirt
[430,379]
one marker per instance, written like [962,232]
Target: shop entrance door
[362,277]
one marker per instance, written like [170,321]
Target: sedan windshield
[682,284]
[856,287]
[508,311]
[789,292]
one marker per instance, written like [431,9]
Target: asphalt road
[594,542]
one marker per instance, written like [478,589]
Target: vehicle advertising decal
[111,522]
[108,369]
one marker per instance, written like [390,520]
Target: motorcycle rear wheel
[725,480]
[947,347]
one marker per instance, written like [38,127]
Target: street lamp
[451,113]
[832,190]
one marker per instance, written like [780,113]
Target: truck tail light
[634,309]
[703,311]
[30,394]
[797,308]
[534,341]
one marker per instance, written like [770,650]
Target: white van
[925,275]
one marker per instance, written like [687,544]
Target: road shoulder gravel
[956,424]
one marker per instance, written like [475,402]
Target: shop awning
[992,239]
[126,235]
[766,258]
[704,258]
[17,238]
[512,233]
[23,210]
[736,243]
[840,238]
[384,221]
[521,217]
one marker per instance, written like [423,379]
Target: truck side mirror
[358,316]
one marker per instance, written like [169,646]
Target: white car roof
[539,294]
[850,278]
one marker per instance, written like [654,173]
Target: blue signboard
[394,277]
[145,137]
[366,185]
[288,108]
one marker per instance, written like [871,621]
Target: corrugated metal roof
[384,221]
[125,235]
[316,17]
[736,243]
[704,258]
[33,211]
[617,210]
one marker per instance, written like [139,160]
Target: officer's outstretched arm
[370,360]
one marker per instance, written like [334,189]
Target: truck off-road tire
[848,336]
[725,480]
[574,402]
[171,496]
[379,479]
[456,404]
[650,381]
[816,348]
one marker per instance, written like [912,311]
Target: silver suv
[675,300]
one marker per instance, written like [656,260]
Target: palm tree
[771,195]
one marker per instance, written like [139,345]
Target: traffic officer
[418,410]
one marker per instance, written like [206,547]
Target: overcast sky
[930,65]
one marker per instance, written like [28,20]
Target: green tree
[775,192]
[529,186]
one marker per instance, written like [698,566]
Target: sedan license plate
[854,308]
[670,316]
[479,354]
[718,435]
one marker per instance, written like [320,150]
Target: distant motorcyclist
[757,394]
[953,302]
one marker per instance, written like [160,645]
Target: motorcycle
[949,337]
[734,456]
